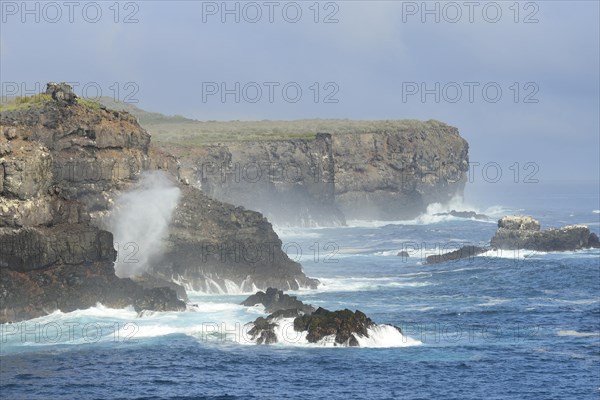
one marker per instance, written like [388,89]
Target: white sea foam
[578,334]
[596,211]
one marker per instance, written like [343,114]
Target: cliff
[393,172]
[63,163]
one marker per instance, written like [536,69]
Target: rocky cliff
[63,162]
[392,173]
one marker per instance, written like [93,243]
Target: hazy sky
[373,57]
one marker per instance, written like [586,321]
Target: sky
[520,80]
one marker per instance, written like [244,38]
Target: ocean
[502,325]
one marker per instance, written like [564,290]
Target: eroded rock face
[334,177]
[522,232]
[396,175]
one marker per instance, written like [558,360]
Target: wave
[358,284]
[578,334]
[431,216]
[596,211]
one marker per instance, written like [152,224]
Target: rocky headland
[63,163]
[317,172]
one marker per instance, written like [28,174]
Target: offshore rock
[523,232]
[275,300]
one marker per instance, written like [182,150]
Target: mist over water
[140,222]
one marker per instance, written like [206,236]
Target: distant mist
[140,222]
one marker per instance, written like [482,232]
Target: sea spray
[140,222]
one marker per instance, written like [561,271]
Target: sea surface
[511,325]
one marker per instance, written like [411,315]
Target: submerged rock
[463,252]
[465,214]
[523,232]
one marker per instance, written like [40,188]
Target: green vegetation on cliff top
[184,131]
[188,132]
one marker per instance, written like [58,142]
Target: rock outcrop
[339,328]
[464,252]
[275,300]
[523,232]
[465,214]
[341,325]
[63,162]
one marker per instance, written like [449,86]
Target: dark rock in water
[148,281]
[158,299]
[403,254]
[463,252]
[263,331]
[522,232]
[466,214]
[343,324]
[275,300]
[234,245]
[67,267]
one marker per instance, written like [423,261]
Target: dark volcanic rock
[67,268]
[211,243]
[466,214]
[403,254]
[463,252]
[263,331]
[275,300]
[343,324]
[519,232]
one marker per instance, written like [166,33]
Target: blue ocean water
[515,325]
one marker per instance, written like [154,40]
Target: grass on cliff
[189,132]
[19,103]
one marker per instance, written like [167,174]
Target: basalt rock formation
[340,327]
[388,174]
[464,252]
[275,300]
[523,232]
[63,162]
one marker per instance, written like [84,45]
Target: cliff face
[323,181]
[287,181]
[62,165]
[396,175]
